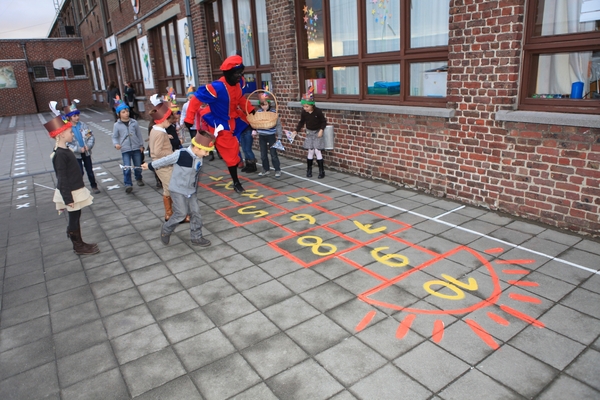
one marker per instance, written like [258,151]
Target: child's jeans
[86,161]
[129,157]
[266,143]
[246,140]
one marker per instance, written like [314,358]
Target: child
[130,99]
[160,146]
[71,193]
[186,164]
[128,138]
[315,122]
[266,140]
[82,144]
[192,129]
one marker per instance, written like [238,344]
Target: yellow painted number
[228,185]
[316,245]
[257,213]
[216,178]
[251,193]
[452,284]
[386,259]
[304,217]
[297,199]
[367,228]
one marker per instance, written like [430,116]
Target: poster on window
[183,31]
[100,73]
[7,78]
[93,69]
[145,62]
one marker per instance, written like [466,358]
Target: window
[107,17]
[240,27]
[78,70]
[363,50]
[166,53]
[561,65]
[58,73]
[132,65]
[40,72]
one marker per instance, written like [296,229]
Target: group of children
[177,168]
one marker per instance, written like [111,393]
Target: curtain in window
[344,27]
[556,72]
[263,32]
[229,28]
[429,23]
[246,31]
[383,26]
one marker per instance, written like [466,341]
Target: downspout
[188,14]
[29,76]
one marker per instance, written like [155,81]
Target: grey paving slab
[151,371]
[487,306]
[388,383]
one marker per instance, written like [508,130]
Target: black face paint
[233,76]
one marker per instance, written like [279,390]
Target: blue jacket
[186,169]
[88,139]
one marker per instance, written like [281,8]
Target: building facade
[493,103]
[29,81]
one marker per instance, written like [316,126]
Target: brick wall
[33,95]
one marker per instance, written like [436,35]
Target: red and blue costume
[226,106]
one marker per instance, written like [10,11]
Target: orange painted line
[522,316]
[438,330]
[497,319]
[524,261]
[494,250]
[482,333]
[365,321]
[405,326]
[525,299]
[516,271]
[524,283]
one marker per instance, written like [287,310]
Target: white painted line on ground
[23,188]
[41,118]
[290,166]
[516,246]
[21,182]
[41,186]
[22,205]
[22,196]
[13,122]
[106,120]
[449,212]
[89,109]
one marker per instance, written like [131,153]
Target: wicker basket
[262,120]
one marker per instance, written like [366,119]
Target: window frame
[82,65]
[258,69]
[133,68]
[552,44]
[160,76]
[405,56]
[41,77]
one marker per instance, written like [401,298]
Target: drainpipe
[29,76]
[188,14]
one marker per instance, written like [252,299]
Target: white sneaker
[277,174]
[264,173]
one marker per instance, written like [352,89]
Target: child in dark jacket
[71,194]
[315,122]
[187,163]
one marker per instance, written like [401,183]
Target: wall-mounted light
[139,29]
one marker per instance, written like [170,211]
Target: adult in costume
[225,99]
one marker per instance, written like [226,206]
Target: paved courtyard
[337,288]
